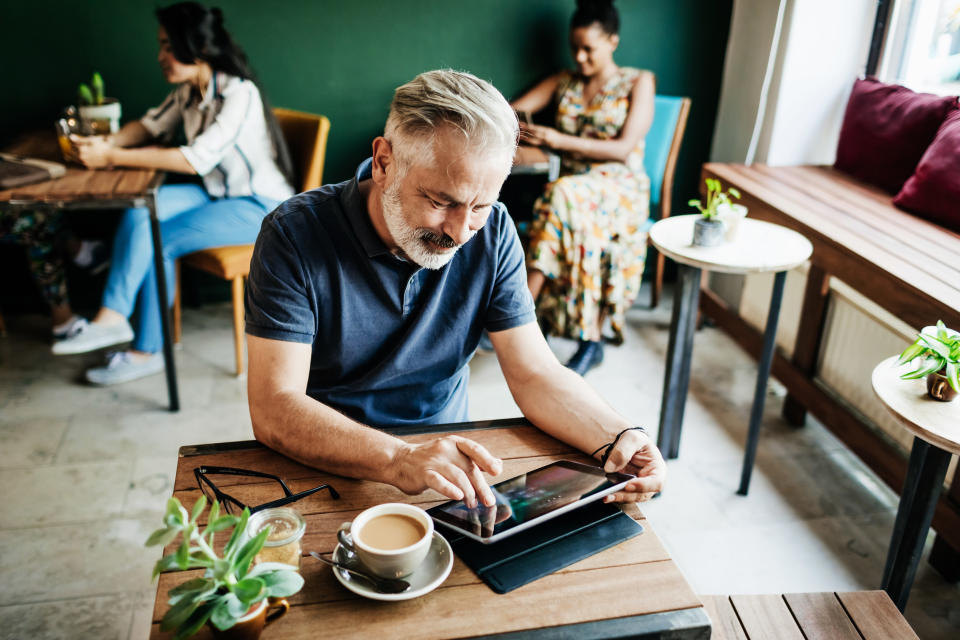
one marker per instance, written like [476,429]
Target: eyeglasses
[231,504]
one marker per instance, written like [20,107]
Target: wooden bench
[906,265]
[857,615]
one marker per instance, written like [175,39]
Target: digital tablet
[530,499]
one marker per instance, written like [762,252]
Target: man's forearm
[561,403]
[316,435]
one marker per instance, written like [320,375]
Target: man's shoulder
[306,209]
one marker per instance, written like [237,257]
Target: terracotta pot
[250,626]
[939,389]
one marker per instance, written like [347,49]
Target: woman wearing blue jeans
[233,142]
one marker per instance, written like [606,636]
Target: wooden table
[936,429]
[633,587]
[856,615]
[758,247]
[84,188]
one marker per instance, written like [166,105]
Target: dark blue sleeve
[278,301]
[511,304]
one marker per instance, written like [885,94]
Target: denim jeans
[190,220]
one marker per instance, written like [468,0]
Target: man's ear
[382,159]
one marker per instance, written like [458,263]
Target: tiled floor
[85,473]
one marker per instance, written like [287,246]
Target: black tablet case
[545,548]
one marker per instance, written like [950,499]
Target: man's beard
[418,244]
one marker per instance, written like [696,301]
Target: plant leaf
[221,569]
[249,550]
[238,531]
[183,554]
[935,344]
[196,620]
[262,568]
[281,584]
[84,95]
[221,523]
[250,590]
[221,617]
[166,563]
[162,537]
[929,366]
[912,352]
[214,513]
[952,376]
[178,614]
[196,584]
[198,508]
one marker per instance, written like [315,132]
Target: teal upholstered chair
[660,161]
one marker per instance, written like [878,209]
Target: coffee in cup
[391,540]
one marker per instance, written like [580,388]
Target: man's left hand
[635,453]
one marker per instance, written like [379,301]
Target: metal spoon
[383,585]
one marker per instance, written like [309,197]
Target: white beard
[415,243]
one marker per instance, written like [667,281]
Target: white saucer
[430,575]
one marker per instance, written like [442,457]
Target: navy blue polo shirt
[391,340]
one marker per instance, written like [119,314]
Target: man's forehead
[463,177]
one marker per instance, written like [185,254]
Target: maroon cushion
[933,191]
[886,129]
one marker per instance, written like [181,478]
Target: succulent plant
[939,348]
[715,197]
[93,96]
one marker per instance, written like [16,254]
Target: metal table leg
[168,361]
[679,353]
[918,500]
[763,375]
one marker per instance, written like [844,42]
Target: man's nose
[457,225]
[581,56]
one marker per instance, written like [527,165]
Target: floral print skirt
[588,238]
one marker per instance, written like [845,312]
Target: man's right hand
[450,465]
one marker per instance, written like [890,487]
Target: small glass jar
[286,529]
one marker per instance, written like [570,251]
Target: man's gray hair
[455,99]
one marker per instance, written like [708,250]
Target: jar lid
[287,525]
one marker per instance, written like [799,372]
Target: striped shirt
[228,142]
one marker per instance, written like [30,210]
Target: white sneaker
[124,367]
[94,336]
[74,326]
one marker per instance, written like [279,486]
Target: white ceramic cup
[731,215]
[388,563]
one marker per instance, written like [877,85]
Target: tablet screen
[527,497]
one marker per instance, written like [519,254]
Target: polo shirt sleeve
[165,118]
[278,302]
[241,101]
[511,304]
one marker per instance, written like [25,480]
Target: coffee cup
[390,540]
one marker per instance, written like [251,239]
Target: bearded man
[366,300]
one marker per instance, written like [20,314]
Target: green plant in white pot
[100,115]
[232,595]
[938,351]
[708,229]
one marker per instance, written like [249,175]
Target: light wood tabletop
[634,585]
[758,247]
[935,422]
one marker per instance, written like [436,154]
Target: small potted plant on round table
[100,115]
[938,349]
[708,229]
[232,596]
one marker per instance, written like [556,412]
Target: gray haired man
[367,298]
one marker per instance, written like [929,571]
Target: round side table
[759,247]
[935,427]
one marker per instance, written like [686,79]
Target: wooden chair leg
[656,286]
[3,326]
[238,321]
[176,302]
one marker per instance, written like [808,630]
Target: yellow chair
[306,137]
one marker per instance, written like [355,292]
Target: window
[922,46]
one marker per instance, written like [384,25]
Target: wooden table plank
[723,617]
[821,616]
[451,612]
[875,615]
[766,617]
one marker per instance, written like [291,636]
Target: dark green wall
[343,59]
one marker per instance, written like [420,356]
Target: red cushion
[933,191]
[885,131]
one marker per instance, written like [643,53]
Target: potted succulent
[232,596]
[708,229]
[101,115]
[939,350]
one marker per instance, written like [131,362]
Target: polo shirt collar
[355,206]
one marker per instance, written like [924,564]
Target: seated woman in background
[233,141]
[587,244]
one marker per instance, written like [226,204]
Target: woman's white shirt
[228,142]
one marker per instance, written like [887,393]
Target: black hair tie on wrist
[609,446]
